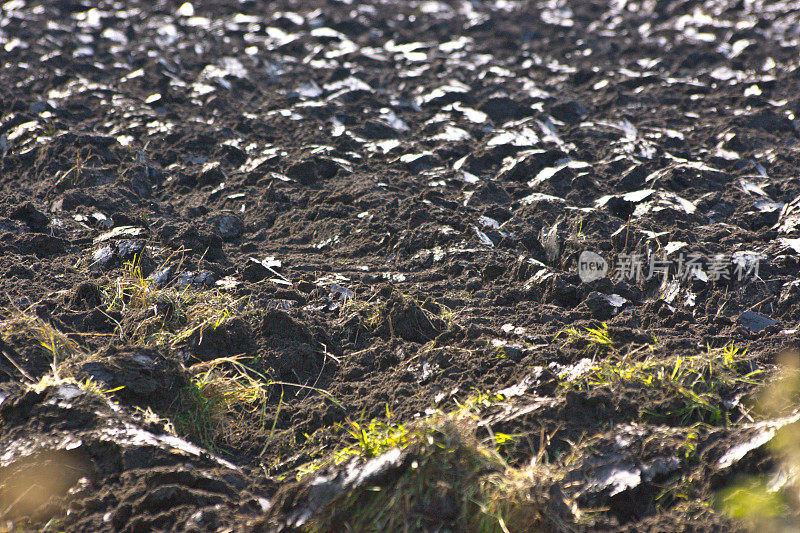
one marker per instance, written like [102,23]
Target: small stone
[186,10]
[199,278]
[254,271]
[230,226]
[571,112]
[597,302]
[127,250]
[474,284]
[311,171]
[502,109]
[160,278]
[489,193]
[513,352]
[211,174]
[376,129]
[303,172]
[97,371]
[756,322]
[71,200]
[102,258]
[529,163]
[634,178]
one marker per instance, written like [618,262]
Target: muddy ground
[231,231]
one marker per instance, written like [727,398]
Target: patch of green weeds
[597,339]
[479,401]
[452,478]
[377,437]
[698,383]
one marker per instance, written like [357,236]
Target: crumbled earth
[382,206]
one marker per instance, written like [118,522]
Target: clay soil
[367,211]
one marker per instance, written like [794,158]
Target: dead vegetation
[33,346]
[398,315]
[165,316]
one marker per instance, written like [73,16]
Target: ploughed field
[381,266]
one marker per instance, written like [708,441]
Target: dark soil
[395,194]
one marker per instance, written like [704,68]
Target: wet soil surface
[393,198]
